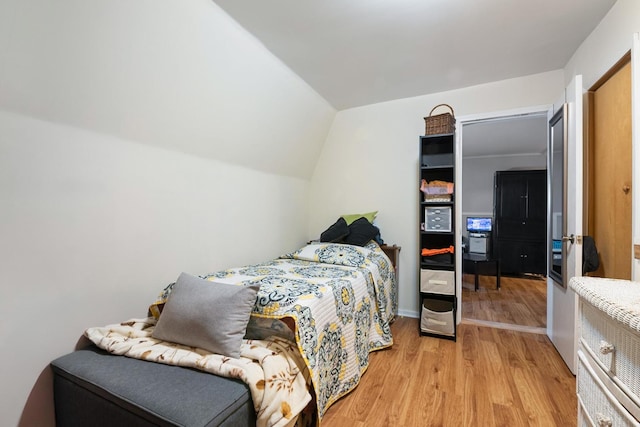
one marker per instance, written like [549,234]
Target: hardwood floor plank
[533,398]
[520,301]
[498,387]
[489,377]
[505,415]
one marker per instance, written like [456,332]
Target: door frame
[635,155]
[460,122]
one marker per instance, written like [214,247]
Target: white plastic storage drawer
[437,218]
[437,317]
[437,281]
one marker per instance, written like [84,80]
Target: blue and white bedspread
[341,299]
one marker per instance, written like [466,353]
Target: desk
[481,264]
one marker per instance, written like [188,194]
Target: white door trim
[635,152]
[460,121]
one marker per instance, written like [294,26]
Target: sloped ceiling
[360,52]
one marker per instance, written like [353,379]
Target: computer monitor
[478,224]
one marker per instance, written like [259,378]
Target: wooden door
[610,159]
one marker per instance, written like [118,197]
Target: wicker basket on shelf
[440,123]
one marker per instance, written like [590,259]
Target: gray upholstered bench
[93,387]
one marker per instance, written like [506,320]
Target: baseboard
[409,313]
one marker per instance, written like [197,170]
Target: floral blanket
[272,368]
[341,299]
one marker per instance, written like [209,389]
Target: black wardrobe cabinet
[520,212]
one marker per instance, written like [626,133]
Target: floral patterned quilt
[341,299]
[272,368]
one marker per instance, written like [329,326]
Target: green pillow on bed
[370,216]
[205,314]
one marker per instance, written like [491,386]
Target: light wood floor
[520,301]
[489,377]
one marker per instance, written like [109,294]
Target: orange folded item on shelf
[436,187]
[431,252]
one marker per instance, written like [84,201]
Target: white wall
[597,54]
[608,42]
[478,174]
[169,74]
[370,161]
[93,227]
[137,140]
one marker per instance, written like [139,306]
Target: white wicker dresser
[608,379]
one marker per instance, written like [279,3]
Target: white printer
[479,243]
[479,229]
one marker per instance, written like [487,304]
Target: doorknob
[573,239]
[625,189]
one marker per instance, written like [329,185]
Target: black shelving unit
[436,287]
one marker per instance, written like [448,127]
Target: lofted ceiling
[360,52]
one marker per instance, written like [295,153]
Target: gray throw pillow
[205,314]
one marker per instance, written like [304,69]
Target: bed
[318,313]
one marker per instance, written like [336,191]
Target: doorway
[509,142]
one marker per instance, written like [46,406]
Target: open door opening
[513,142]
